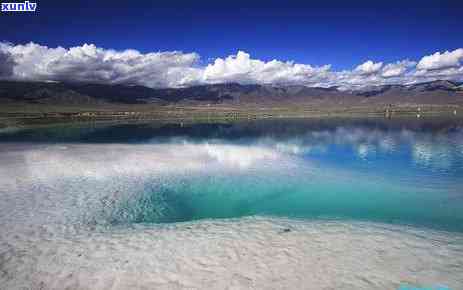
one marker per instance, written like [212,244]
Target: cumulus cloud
[6,64]
[369,67]
[89,63]
[441,60]
[397,69]
[241,68]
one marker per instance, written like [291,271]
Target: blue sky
[341,33]
[346,43]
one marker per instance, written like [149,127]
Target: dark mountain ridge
[436,92]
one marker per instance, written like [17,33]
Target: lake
[285,204]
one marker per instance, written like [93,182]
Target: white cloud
[241,68]
[6,64]
[441,60]
[369,67]
[396,69]
[88,63]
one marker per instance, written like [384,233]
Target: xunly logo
[21,7]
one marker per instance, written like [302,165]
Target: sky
[181,43]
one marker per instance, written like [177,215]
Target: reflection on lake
[375,190]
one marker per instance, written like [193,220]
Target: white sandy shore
[249,253]
[47,190]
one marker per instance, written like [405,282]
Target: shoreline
[52,116]
[290,247]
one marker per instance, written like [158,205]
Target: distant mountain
[436,92]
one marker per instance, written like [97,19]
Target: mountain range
[231,94]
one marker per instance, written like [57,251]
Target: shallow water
[341,204]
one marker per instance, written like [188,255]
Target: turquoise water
[392,171]
[303,192]
[335,204]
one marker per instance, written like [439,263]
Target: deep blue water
[404,171]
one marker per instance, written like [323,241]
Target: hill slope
[435,93]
